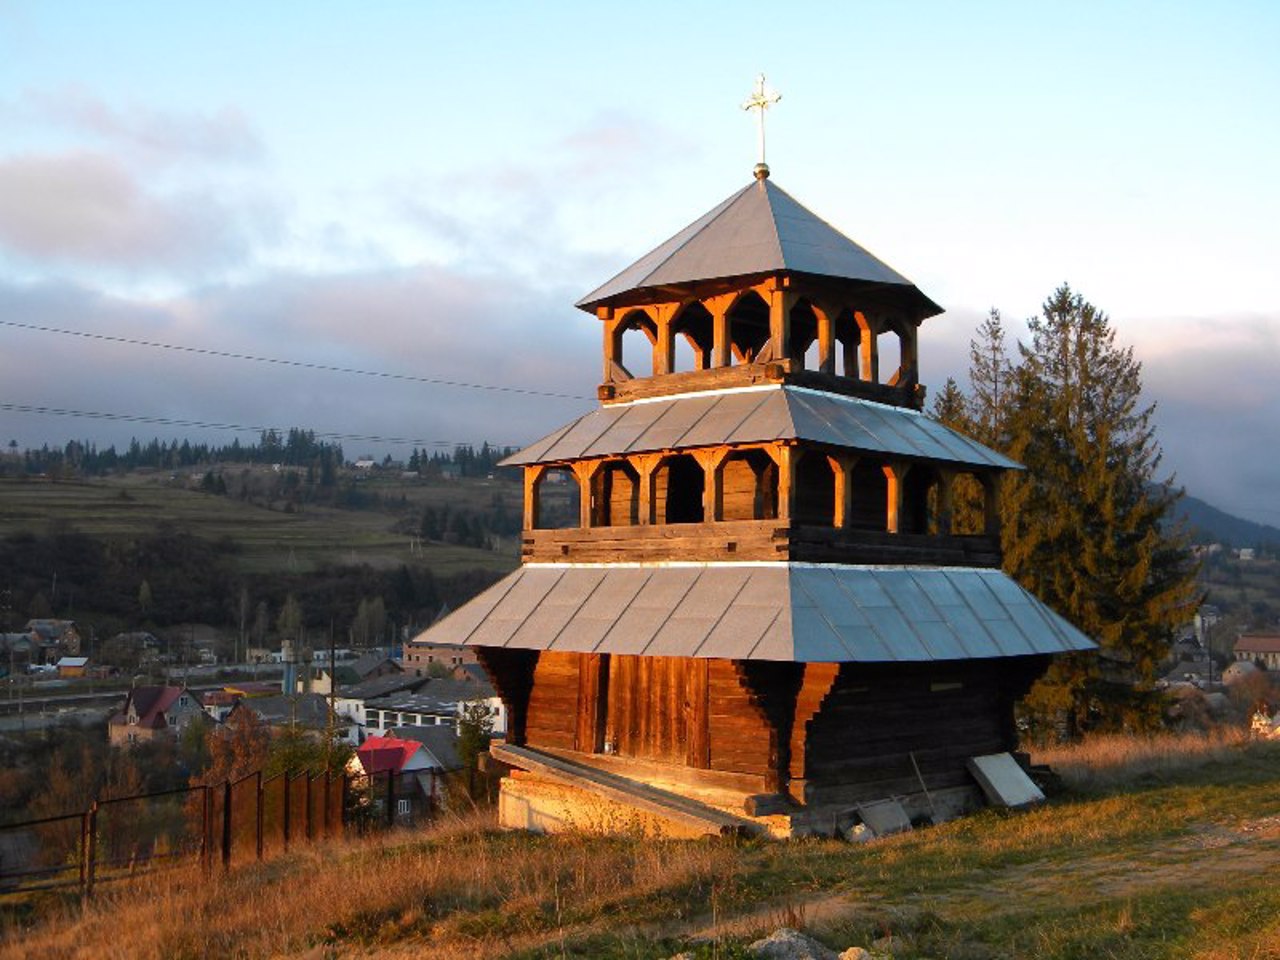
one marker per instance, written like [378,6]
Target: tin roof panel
[800,612]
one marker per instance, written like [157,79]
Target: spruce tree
[1087,526]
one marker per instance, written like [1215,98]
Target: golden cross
[761,99]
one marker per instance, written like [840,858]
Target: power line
[231,427]
[282,362]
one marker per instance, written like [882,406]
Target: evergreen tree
[1086,525]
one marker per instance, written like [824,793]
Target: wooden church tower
[760,604]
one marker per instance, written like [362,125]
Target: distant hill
[1212,525]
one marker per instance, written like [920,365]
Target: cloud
[418,322]
[86,208]
[225,135]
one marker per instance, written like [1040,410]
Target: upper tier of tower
[760,290]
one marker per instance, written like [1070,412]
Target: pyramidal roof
[760,229]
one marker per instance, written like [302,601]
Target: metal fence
[229,823]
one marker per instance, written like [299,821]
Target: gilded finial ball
[761,171]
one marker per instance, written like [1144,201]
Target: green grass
[269,540]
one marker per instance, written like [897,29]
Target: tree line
[1088,526]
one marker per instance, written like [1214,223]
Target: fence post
[287,805]
[310,833]
[206,815]
[328,820]
[346,788]
[258,816]
[91,849]
[391,798]
[226,825]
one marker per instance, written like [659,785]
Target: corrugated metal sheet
[779,611]
[760,229]
[758,415]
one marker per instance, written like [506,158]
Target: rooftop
[761,229]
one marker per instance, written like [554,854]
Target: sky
[423,190]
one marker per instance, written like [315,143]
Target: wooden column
[780,304]
[842,467]
[712,463]
[719,307]
[645,465]
[785,457]
[894,474]
[612,342]
[664,347]
[585,471]
[533,477]
[826,340]
[869,350]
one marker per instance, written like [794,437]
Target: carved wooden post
[586,472]
[612,341]
[664,347]
[894,474]
[645,466]
[785,457]
[533,477]
[780,304]
[826,340]
[842,469]
[712,463]
[719,307]
[869,354]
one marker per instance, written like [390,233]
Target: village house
[1260,648]
[54,639]
[418,765]
[154,711]
[420,656]
[73,667]
[350,700]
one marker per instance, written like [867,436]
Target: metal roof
[768,611]
[760,229]
[757,415]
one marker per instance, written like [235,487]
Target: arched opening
[615,496]
[639,335]
[692,330]
[558,499]
[748,327]
[804,335]
[919,512]
[870,508]
[815,491]
[848,338]
[892,352]
[678,484]
[749,488]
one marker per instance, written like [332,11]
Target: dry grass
[1116,760]
[1083,876]
[460,885]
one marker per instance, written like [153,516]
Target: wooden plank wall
[553,702]
[737,731]
[861,741]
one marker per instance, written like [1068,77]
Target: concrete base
[529,801]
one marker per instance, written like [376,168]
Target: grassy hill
[1165,849]
[267,540]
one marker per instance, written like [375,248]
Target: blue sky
[426,188]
